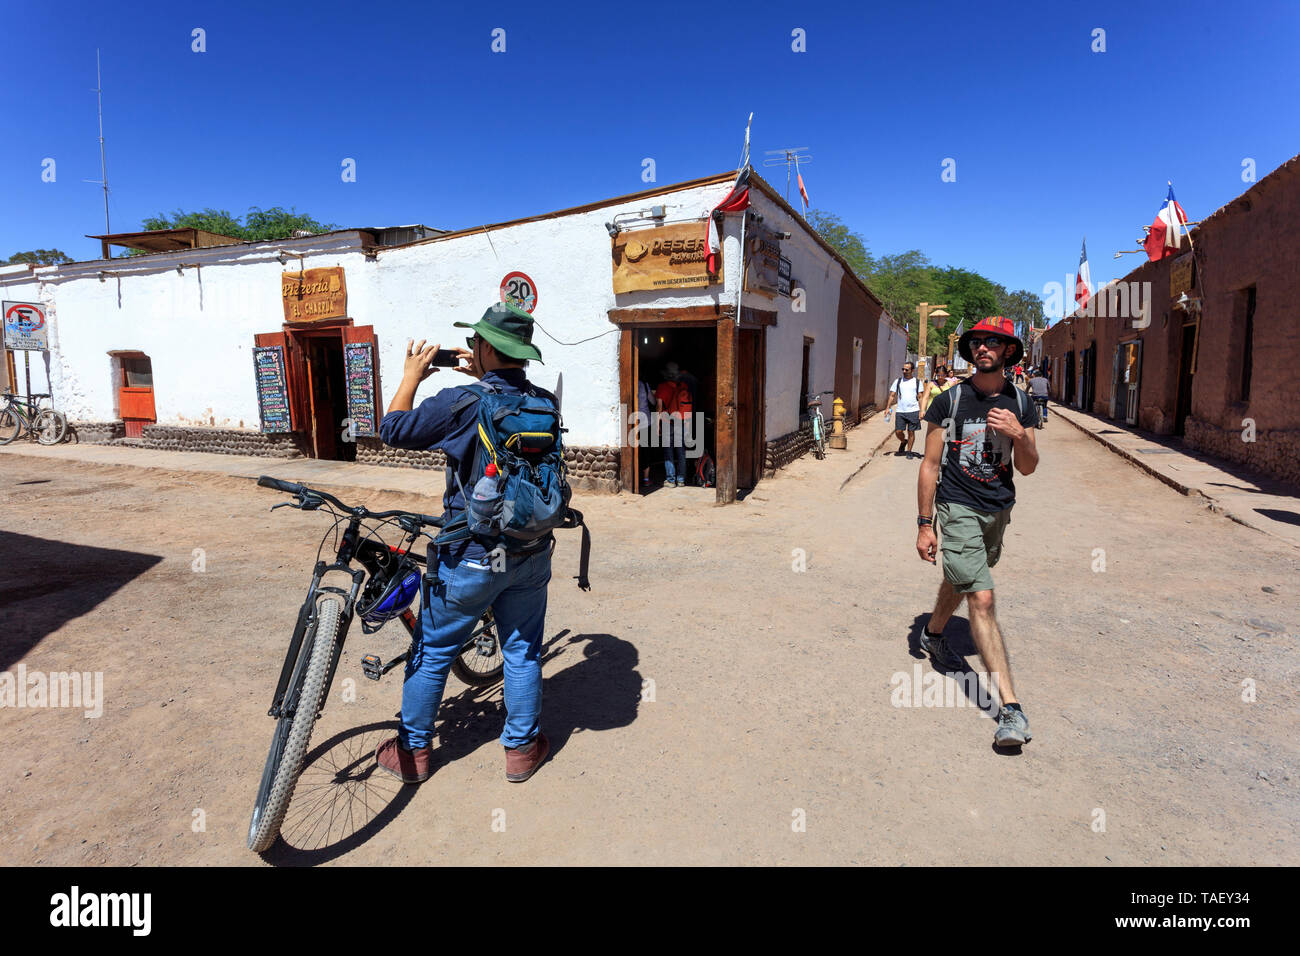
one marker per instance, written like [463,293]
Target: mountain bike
[382,589]
[818,423]
[49,426]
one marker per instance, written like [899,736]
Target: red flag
[736,200]
[1083,280]
[803,192]
[1166,233]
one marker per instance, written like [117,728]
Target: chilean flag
[1166,233]
[736,200]
[1083,283]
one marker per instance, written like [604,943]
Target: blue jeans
[673,442]
[450,609]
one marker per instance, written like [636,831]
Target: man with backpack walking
[906,394]
[978,430]
[476,565]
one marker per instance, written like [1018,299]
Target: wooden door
[295,374]
[749,396]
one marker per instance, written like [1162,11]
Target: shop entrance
[326,384]
[695,352]
[727,364]
[1185,375]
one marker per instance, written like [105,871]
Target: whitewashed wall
[197,326]
[891,353]
[819,274]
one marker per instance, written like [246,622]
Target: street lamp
[926,311]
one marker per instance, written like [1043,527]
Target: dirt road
[706,702]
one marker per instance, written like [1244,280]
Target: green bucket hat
[508,329]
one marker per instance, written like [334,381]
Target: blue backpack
[522,436]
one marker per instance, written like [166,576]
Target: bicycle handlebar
[302,491]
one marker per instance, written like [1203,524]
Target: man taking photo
[977,430]
[469,578]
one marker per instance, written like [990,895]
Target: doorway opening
[327,394]
[133,377]
[694,350]
[1185,375]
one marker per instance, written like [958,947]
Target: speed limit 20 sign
[520,291]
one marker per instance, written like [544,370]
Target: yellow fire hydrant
[838,439]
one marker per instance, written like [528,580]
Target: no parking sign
[25,326]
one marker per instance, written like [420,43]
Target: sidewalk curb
[871,456]
[1209,501]
[1133,459]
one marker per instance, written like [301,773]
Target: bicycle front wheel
[293,733]
[50,427]
[10,425]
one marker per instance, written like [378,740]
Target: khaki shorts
[971,543]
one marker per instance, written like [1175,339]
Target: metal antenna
[787,157]
[103,164]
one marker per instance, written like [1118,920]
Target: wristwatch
[923,520]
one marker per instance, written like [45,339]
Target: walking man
[978,430]
[469,579]
[905,392]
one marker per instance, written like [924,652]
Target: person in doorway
[468,583]
[646,405]
[978,430]
[906,394]
[1038,387]
[669,405]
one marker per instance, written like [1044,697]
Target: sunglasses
[991,341]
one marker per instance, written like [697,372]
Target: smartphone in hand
[446,358]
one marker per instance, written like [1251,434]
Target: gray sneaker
[1013,728]
[942,656]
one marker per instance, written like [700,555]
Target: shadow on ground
[44,584]
[343,799]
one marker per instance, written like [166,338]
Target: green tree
[843,240]
[41,257]
[1023,308]
[259,224]
[901,282]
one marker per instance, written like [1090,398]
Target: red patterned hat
[998,326]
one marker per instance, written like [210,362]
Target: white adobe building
[161,346]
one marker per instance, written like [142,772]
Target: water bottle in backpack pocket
[485,503]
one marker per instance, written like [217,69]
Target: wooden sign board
[1181,275]
[272,390]
[314,294]
[763,268]
[359,360]
[665,257]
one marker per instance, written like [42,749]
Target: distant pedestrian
[1038,386]
[977,431]
[647,406]
[905,392]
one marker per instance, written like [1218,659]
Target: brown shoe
[522,762]
[409,766]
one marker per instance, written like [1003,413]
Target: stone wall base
[1274,453]
[589,468]
[97,433]
[779,452]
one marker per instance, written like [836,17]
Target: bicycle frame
[373,556]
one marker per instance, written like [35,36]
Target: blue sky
[1051,140]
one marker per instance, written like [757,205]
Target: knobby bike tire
[50,427]
[292,734]
[474,668]
[11,425]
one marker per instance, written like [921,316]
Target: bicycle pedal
[372,665]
